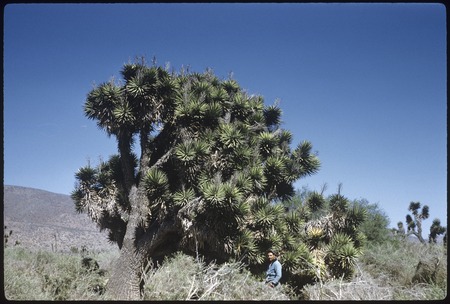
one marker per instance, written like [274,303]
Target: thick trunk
[156,241]
[125,280]
[139,243]
[124,283]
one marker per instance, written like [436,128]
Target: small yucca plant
[341,256]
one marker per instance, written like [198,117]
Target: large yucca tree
[212,168]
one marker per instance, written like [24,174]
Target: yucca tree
[332,235]
[414,223]
[213,167]
[435,230]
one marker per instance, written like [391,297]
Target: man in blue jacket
[274,271]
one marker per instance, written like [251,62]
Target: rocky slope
[38,219]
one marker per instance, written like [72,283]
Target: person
[274,270]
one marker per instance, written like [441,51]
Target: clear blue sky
[365,83]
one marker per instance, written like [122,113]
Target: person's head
[272,255]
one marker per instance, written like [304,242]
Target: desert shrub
[49,276]
[419,292]
[399,260]
[394,270]
[375,227]
[362,287]
[20,279]
[182,277]
[401,265]
[389,259]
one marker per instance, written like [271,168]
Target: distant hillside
[39,219]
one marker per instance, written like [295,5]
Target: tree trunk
[157,240]
[124,283]
[125,280]
[126,158]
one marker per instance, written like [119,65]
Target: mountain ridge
[42,220]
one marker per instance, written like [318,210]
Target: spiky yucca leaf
[278,210]
[230,86]
[410,222]
[232,193]
[425,212]
[256,120]
[183,196]
[185,151]
[315,201]
[315,235]
[275,166]
[86,175]
[244,242]
[356,215]
[267,142]
[360,240]
[190,111]
[414,207]
[289,241]
[299,260]
[219,94]
[303,212]
[272,115]
[257,176]
[123,113]
[100,104]
[348,254]
[285,137]
[200,147]
[202,88]
[242,212]
[129,71]
[338,203]
[307,162]
[242,156]
[212,113]
[156,184]
[291,261]
[341,262]
[137,86]
[265,217]
[275,241]
[340,239]
[294,222]
[240,107]
[244,182]
[257,103]
[230,136]
[213,193]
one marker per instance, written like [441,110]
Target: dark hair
[272,251]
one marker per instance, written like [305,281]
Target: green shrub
[49,276]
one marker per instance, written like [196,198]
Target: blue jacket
[274,272]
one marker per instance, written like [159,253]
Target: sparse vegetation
[387,266]
[385,271]
[56,276]
[45,275]
[182,277]
[392,270]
